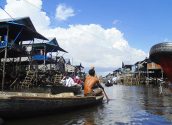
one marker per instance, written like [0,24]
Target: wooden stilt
[4,61]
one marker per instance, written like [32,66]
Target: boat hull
[24,106]
[108,84]
[162,54]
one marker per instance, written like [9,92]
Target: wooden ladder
[57,78]
[28,80]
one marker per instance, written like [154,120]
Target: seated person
[114,80]
[109,81]
[78,80]
[69,82]
[90,81]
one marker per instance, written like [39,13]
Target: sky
[103,33]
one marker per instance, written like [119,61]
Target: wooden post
[4,61]
[20,59]
[147,82]
[162,74]
[44,56]
[31,54]
[51,61]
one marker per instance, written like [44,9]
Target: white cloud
[23,8]
[88,44]
[63,12]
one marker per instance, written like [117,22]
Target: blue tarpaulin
[3,41]
[39,57]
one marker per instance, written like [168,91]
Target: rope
[7,13]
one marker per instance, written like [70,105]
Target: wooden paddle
[104,91]
[106,96]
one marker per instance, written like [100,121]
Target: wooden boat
[162,54]
[22,104]
[108,84]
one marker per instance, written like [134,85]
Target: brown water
[128,105]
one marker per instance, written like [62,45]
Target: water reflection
[128,105]
[159,104]
[77,117]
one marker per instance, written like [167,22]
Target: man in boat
[90,81]
[114,79]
